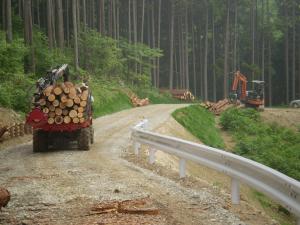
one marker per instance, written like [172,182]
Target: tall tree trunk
[153,44]
[171,75]
[143,21]
[3,14]
[214,58]
[49,23]
[28,37]
[235,35]
[194,59]
[8,21]
[53,22]
[134,9]
[84,16]
[263,46]
[294,53]
[205,56]
[253,37]
[67,22]
[129,21]
[226,52]
[158,44]
[60,24]
[74,9]
[102,17]
[187,78]
[286,47]
[269,57]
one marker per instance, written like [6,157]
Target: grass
[201,123]
[271,145]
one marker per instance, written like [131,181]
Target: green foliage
[109,97]
[200,123]
[271,145]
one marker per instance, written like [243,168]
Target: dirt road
[61,187]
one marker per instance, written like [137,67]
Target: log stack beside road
[65,103]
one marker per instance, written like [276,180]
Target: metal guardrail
[279,187]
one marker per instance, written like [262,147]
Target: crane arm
[238,77]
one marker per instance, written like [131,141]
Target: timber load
[64,103]
[181,94]
[218,107]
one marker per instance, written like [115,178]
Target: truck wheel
[40,141]
[84,139]
[92,134]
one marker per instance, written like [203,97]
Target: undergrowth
[269,144]
[201,123]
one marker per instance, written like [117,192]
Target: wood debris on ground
[4,197]
[137,102]
[218,107]
[138,206]
[181,94]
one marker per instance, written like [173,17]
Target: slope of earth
[63,186]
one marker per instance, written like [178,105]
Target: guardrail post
[182,164]
[137,147]
[235,191]
[152,156]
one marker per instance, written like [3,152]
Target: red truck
[74,125]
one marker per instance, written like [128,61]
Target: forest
[170,44]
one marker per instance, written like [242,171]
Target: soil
[63,186]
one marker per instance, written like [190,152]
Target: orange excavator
[252,98]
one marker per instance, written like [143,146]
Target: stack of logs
[136,102]
[217,108]
[65,103]
[184,95]
[14,130]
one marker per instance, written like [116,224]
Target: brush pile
[65,103]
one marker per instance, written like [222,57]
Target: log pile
[137,102]
[4,197]
[65,103]
[184,95]
[14,130]
[219,107]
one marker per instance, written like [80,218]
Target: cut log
[68,84]
[72,93]
[81,120]
[4,197]
[66,90]
[75,120]
[67,120]
[83,103]
[84,95]
[70,103]
[63,98]
[55,103]
[73,113]
[77,100]
[48,90]
[46,110]
[52,108]
[57,90]
[80,115]
[65,112]
[75,107]
[42,102]
[51,114]
[51,97]
[59,120]
[80,109]
[58,111]
[62,105]
[51,120]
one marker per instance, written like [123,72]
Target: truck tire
[84,139]
[40,141]
[92,134]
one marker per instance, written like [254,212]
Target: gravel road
[61,186]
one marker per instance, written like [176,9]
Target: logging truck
[61,111]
